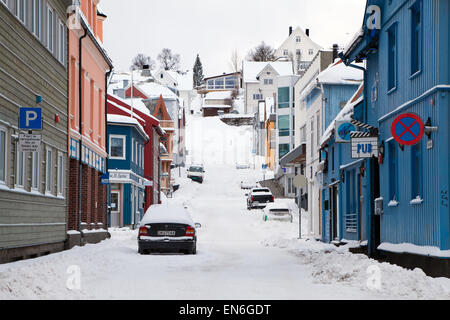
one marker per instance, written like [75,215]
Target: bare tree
[168,60]
[262,52]
[141,60]
[236,62]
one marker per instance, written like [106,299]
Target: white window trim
[16,166]
[61,42]
[24,3]
[5,2]
[5,131]
[60,178]
[37,29]
[35,170]
[48,184]
[49,9]
[124,138]
[132,150]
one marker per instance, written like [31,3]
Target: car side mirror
[198,225]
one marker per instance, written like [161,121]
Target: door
[376,228]
[115,208]
[333,213]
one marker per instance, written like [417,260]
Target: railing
[351,222]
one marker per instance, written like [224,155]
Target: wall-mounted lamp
[362,170]
[429,129]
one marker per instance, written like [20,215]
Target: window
[298,52]
[393,171]
[210,84]
[20,168]
[62,42]
[416,37]
[48,171]
[230,83]
[132,150]
[392,57]
[35,166]
[162,76]
[3,155]
[283,97]
[285,52]
[136,149]
[298,39]
[416,172]
[312,137]
[283,126]
[50,29]
[60,185]
[219,83]
[332,159]
[258,96]
[284,150]
[310,52]
[318,128]
[117,147]
[21,10]
[303,134]
[37,18]
[268,81]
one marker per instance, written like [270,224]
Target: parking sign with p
[30,119]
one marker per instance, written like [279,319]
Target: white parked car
[277,211]
[249,185]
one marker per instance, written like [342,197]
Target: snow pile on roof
[155,90]
[336,73]
[218,95]
[167,213]
[353,41]
[115,118]
[251,69]
[345,114]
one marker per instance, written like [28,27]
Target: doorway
[334,213]
[115,208]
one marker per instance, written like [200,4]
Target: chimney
[335,51]
[307,32]
[146,72]
[290,30]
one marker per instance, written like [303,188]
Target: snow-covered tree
[262,52]
[169,60]
[198,72]
[141,60]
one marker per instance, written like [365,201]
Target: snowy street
[239,256]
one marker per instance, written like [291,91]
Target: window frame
[48,170]
[393,170]
[416,42]
[21,4]
[35,170]
[37,25]
[416,172]
[124,140]
[60,174]
[50,40]
[392,71]
[5,163]
[282,131]
[19,184]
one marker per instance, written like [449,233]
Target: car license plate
[166,233]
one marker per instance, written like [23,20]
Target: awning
[296,156]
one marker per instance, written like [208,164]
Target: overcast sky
[214,29]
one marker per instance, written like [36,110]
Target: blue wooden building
[127,140]
[405,44]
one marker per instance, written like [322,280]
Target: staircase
[274,187]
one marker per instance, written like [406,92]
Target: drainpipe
[80,113]
[108,186]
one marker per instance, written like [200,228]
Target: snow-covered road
[239,255]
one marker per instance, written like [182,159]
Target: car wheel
[194,251]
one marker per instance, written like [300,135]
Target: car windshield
[196,169]
[261,190]
[279,210]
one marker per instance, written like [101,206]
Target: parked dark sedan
[167,228]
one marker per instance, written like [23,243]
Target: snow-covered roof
[116,118]
[336,73]
[251,69]
[218,95]
[155,90]
[138,104]
[353,41]
[165,213]
[345,114]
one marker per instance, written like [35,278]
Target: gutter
[108,76]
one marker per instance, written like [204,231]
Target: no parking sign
[407,129]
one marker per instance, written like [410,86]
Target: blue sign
[343,132]
[105,178]
[30,119]
[264,166]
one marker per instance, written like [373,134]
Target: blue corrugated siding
[427,223]
[335,95]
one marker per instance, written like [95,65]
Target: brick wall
[94,197]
